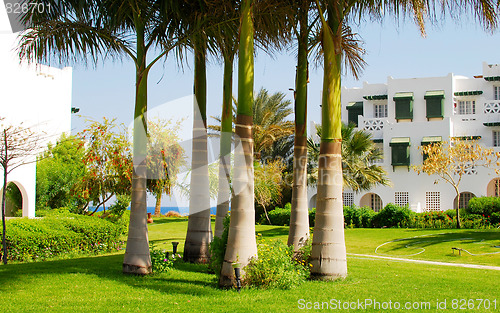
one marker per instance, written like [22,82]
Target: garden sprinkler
[237,275]
[175,244]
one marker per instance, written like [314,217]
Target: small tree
[108,162]
[165,158]
[19,146]
[268,183]
[58,171]
[452,161]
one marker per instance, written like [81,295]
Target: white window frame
[432,201]
[380,110]
[347,198]
[496,92]
[466,107]
[401,198]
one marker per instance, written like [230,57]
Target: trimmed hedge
[484,205]
[394,216]
[42,238]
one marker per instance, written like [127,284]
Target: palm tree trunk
[299,218]
[241,244]
[224,191]
[137,259]
[199,232]
[328,255]
[158,203]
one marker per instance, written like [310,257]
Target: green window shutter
[353,110]
[400,151]
[430,140]
[404,105]
[434,103]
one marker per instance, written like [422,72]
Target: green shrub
[42,238]
[218,248]
[484,205]
[392,216]
[275,267]
[358,217]
[159,261]
[435,219]
[278,216]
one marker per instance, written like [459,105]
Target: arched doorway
[464,199]
[493,188]
[16,200]
[373,201]
[312,202]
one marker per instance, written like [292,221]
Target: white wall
[35,95]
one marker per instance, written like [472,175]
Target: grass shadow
[109,267]
[454,238]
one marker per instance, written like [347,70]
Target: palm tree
[241,245]
[299,217]
[74,30]
[226,41]
[328,255]
[358,157]
[270,124]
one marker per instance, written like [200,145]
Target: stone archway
[11,207]
[373,201]
[312,202]
[493,188]
[464,199]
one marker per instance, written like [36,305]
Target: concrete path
[483,267]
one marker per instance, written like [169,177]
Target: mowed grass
[96,284]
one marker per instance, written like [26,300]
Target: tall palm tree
[227,43]
[359,155]
[299,218]
[328,255]
[241,245]
[199,232]
[75,30]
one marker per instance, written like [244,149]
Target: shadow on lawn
[454,238]
[109,267]
[275,231]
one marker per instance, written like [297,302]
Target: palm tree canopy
[358,156]
[270,123]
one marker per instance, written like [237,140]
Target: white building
[403,114]
[35,95]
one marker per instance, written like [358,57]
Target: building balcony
[373,125]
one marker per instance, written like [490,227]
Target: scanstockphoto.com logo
[17,9]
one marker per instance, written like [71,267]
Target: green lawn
[97,284]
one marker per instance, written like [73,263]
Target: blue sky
[397,51]
[392,50]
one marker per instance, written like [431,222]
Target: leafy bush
[484,205]
[218,248]
[34,239]
[276,267]
[358,217]
[159,261]
[392,216]
[437,219]
[278,216]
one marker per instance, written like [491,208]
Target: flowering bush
[276,267]
[159,262]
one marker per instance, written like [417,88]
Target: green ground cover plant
[97,284]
